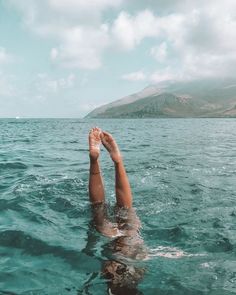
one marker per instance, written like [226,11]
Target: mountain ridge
[198,98]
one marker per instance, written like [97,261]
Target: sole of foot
[94,143]
[111,146]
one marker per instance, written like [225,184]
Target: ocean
[183,178]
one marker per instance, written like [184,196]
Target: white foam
[169,252]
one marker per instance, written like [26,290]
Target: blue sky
[63,58]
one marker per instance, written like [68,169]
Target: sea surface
[183,177]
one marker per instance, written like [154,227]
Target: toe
[106,133]
[101,135]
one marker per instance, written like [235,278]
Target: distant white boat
[17,117]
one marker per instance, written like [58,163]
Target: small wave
[38,165]
[83,149]
[25,140]
[17,122]
[70,141]
[154,166]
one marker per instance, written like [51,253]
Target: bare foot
[94,143]
[110,144]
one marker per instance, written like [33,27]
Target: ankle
[93,159]
[118,161]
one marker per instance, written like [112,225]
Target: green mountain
[199,98]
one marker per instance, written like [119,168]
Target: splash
[169,252]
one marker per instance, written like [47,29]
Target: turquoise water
[183,177]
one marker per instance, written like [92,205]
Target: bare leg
[96,188]
[122,186]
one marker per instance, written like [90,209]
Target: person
[127,245]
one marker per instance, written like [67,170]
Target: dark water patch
[8,204]
[17,122]
[22,140]
[196,191]
[83,149]
[32,216]
[233,213]
[4,187]
[7,293]
[216,243]
[75,164]
[67,207]
[13,165]
[35,247]
[61,205]
[195,188]
[217,223]
[71,141]
[38,165]
[80,122]
[173,234]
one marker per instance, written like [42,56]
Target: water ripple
[182,174]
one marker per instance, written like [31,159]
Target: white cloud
[75,25]
[78,6]
[164,75]
[135,76]
[194,40]
[154,77]
[201,40]
[5,57]
[159,52]
[81,47]
[47,85]
[54,53]
[7,88]
[128,31]
[63,11]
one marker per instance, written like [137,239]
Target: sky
[63,58]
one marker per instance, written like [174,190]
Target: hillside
[208,98]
